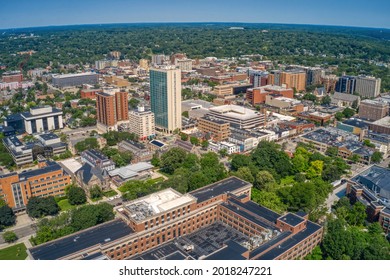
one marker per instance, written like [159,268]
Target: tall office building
[346,84]
[110,109]
[368,86]
[165,98]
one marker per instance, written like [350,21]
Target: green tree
[332,151]
[223,152]
[205,144]
[7,216]
[10,236]
[339,116]
[133,103]
[316,254]
[194,141]
[245,174]
[348,112]
[376,157]
[172,159]
[87,144]
[268,199]
[357,214]
[96,192]
[326,100]
[76,195]
[183,136]
[38,207]
[263,179]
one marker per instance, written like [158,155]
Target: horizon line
[188,22]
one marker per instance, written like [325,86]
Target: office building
[237,116]
[346,84]
[217,129]
[40,119]
[111,108]
[216,222]
[141,123]
[48,180]
[74,80]
[368,86]
[46,144]
[165,98]
[373,110]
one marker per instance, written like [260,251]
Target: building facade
[165,98]
[368,86]
[373,110]
[41,119]
[48,180]
[74,80]
[141,123]
[111,108]
[218,129]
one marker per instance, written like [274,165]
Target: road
[332,198]
[21,232]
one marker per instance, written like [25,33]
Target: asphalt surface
[21,232]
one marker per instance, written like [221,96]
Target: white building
[230,148]
[242,117]
[368,86]
[40,119]
[184,64]
[141,123]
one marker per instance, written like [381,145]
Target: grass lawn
[16,252]
[96,199]
[110,193]
[65,205]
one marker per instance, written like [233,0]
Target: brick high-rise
[111,108]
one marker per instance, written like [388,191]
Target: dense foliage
[76,195]
[352,49]
[74,220]
[7,216]
[42,206]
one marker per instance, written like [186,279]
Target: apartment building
[373,110]
[141,123]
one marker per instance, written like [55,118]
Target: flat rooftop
[235,111]
[73,75]
[291,219]
[82,240]
[206,243]
[383,122]
[157,203]
[227,185]
[290,242]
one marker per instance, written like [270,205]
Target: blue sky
[28,13]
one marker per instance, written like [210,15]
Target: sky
[32,13]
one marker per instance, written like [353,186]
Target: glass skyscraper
[165,98]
